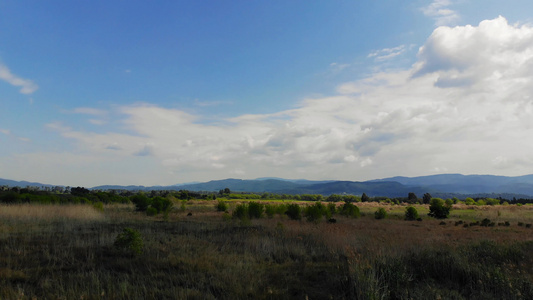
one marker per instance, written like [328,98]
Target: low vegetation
[205,248]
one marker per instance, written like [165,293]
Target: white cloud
[211,103]
[494,52]
[439,11]
[387,53]
[464,107]
[8,133]
[337,67]
[97,122]
[88,111]
[26,86]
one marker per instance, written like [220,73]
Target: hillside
[441,185]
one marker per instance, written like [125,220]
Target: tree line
[77,195]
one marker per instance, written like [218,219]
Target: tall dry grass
[205,256]
[50,213]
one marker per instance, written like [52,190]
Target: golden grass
[33,212]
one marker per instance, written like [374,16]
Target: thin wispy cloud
[211,103]
[9,134]
[26,86]
[88,111]
[338,67]
[387,53]
[97,122]
[439,10]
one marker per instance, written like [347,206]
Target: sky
[160,93]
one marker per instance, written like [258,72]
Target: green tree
[412,198]
[221,205]
[255,210]
[365,198]
[270,210]
[438,209]
[315,212]
[449,202]
[294,211]
[427,198]
[411,213]
[161,204]
[492,201]
[141,201]
[332,209]
[380,213]
[470,201]
[350,210]
[241,212]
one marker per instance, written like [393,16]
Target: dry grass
[50,213]
[203,256]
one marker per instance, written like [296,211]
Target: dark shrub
[381,213]
[141,202]
[294,212]
[485,222]
[270,210]
[331,209]
[161,204]
[10,198]
[130,240]
[255,210]
[437,209]
[221,205]
[241,212]
[350,210]
[411,214]
[151,211]
[315,212]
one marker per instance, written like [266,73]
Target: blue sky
[116,92]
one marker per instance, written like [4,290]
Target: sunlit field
[197,252]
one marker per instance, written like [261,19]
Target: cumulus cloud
[464,107]
[26,86]
[494,51]
[439,11]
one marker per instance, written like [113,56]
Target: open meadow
[197,252]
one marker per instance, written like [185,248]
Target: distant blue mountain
[442,185]
[468,184]
[13,183]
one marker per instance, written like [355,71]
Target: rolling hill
[441,185]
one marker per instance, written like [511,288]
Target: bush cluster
[411,214]
[152,206]
[438,209]
[380,213]
[294,211]
[221,205]
[350,210]
[130,240]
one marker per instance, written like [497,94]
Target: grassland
[67,252]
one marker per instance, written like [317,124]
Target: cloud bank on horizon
[464,106]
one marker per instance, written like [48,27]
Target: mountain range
[442,185]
